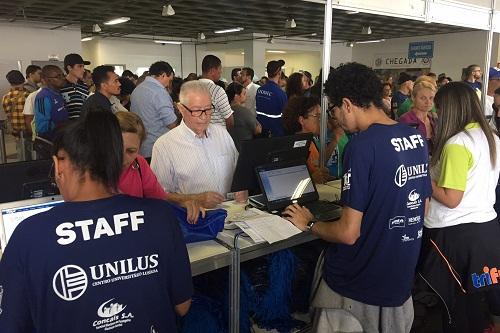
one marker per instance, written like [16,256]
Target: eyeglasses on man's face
[198,113]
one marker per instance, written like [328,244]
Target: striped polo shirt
[219,100]
[74,95]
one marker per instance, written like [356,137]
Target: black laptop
[290,182]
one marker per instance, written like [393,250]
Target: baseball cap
[403,77]
[274,66]
[74,59]
[494,73]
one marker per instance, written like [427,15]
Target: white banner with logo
[399,60]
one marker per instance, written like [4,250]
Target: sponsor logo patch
[397,222]
[111,316]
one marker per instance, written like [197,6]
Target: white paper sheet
[272,228]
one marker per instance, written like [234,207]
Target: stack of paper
[264,226]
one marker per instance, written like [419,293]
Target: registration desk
[232,247]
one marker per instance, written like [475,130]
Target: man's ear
[300,120]
[348,104]
[57,170]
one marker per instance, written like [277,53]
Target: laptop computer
[290,182]
[13,213]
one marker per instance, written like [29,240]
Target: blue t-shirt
[475,84]
[270,101]
[386,178]
[50,113]
[111,265]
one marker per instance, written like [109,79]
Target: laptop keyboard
[324,210]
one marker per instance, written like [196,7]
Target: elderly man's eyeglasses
[198,113]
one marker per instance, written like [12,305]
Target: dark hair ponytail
[94,144]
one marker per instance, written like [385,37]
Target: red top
[141,184]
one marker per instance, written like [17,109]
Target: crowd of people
[417,200]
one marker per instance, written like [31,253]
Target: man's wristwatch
[310,225]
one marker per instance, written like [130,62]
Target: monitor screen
[290,183]
[26,180]
[11,217]
[257,152]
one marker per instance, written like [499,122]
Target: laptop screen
[288,183]
[12,216]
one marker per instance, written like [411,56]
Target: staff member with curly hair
[369,266]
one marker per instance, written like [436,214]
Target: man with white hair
[196,157]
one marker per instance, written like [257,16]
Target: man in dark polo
[107,84]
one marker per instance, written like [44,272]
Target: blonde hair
[423,84]
[131,123]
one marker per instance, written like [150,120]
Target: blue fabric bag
[205,229]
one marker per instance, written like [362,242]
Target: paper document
[272,228]
[250,232]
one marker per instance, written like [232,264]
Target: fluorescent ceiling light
[371,41]
[225,31]
[175,42]
[86,39]
[167,10]
[275,51]
[96,28]
[242,53]
[119,20]
[351,12]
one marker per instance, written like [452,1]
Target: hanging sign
[421,49]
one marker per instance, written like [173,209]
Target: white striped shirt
[219,100]
[188,164]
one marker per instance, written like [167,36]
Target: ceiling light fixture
[225,31]
[366,30]
[371,41]
[167,10]
[174,42]
[86,39]
[96,28]
[118,20]
[352,12]
[290,23]
[275,51]
[349,44]
[201,35]
[270,40]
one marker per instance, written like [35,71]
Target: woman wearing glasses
[100,260]
[302,115]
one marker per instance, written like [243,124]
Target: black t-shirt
[96,101]
[112,265]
